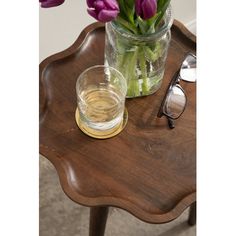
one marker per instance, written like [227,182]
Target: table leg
[98,219]
[192,214]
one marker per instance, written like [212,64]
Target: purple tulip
[50,3]
[103,10]
[146,8]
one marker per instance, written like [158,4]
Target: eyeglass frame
[174,82]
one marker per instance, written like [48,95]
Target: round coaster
[101,134]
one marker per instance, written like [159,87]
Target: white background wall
[60,26]
[185,11]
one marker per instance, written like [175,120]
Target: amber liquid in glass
[101,108]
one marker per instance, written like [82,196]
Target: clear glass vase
[140,58]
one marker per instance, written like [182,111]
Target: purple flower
[103,10]
[146,8]
[50,3]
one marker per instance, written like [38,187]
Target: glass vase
[140,58]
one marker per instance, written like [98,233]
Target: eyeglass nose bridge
[170,114]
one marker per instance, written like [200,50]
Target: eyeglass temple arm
[170,122]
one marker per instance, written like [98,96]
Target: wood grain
[148,169]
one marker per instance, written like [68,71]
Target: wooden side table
[148,169]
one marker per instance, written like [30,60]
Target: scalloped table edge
[77,197]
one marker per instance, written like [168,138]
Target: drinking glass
[101,92]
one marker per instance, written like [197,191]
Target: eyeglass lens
[188,69]
[175,102]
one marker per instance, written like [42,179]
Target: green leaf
[143,26]
[152,22]
[160,4]
[161,9]
[130,3]
[126,24]
[152,19]
[130,14]
[127,10]
[147,26]
[122,9]
[121,5]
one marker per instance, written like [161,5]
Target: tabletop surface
[148,169]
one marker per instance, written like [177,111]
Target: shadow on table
[176,230]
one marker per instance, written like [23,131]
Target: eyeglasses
[175,100]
